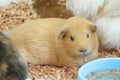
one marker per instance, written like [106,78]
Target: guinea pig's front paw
[75,72]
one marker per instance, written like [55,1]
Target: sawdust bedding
[14,15]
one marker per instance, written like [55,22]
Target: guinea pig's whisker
[83,58]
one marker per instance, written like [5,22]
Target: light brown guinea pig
[60,42]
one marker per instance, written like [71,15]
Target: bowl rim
[91,62]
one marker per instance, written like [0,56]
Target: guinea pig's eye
[88,35]
[71,38]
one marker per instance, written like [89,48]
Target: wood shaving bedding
[14,15]
[49,72]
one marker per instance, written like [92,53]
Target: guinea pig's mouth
[83,52]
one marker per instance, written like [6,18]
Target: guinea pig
[4,3]
[56,41]
[12,66]
[105,14]
[49,8]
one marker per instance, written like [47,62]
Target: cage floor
[14,15]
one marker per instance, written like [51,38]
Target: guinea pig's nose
[83,50]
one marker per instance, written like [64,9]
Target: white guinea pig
[60,42]
[4,3]
[105,14]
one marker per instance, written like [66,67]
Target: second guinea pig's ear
[93,28]
[62,33]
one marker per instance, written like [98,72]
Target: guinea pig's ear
[62,33]
[93,28]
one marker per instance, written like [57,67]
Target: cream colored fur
[47,41]
[105,14]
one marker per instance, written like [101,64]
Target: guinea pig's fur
[4,3]
[105,14]
[12,66]
[60,42]
[49,8]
